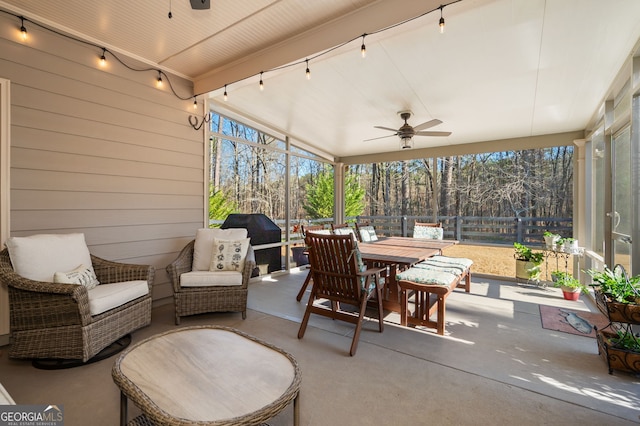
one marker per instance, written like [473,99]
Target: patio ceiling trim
[529,142]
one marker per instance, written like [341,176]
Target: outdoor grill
[261,230]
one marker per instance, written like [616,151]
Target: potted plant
[527,262]
[571,287]
[618,297]
[559,244]
[550,239]
[620,350]
[570,245]
[617,294]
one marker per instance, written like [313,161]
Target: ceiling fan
[407,132]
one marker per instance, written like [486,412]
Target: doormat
[572,321]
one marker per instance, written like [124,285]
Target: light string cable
[325,52]
[104,51]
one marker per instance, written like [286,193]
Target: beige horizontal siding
[102,152]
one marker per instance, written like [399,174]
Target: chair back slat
[334,267]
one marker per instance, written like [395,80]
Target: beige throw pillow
[83,275]
[204,243]
[229,255]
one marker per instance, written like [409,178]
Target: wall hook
[193,120]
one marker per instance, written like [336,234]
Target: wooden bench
[438,275]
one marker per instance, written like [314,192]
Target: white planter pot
[571,246]
[551,241]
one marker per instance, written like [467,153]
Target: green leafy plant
[626,340]
[527,254]
[565,279]
[550,234]
[616,284]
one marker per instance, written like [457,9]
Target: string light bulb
[441,24]
[261,82]
[103,58]
[23,30]
[195,102]
[159,80]
[308,72]
[363,48]
[225,93]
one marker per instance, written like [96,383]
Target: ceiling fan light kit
[406,132]
[406,143]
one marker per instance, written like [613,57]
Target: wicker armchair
[218,298]
[51,320]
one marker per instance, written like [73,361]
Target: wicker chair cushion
[427,276]
[109,296]
[229,255]
[431,232]
[38,257]
[367,233]
[210,279]
[203,246]
[83,275]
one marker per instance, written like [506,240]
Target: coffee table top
[207,374]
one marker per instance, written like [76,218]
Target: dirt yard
[494,260]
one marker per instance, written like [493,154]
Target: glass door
[621,218]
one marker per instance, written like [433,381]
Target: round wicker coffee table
[209,375]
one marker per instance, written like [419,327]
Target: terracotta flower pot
[570,293]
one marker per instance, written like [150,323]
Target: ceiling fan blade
[386,128]
[427,124]
[381,137]
[424,133]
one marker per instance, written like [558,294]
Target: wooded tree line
[537,183]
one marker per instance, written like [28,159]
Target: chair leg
[380,308]
[305,318]
[356,334]
[244,314]
[304,287]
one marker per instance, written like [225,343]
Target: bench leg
[440,315]
[404,307]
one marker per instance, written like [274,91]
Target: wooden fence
[469,229]
[490,230]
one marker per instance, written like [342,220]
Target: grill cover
[261,230]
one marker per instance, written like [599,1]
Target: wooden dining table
[398,254]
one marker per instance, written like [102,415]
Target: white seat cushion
[38,257]
[109,296]
[203,246]
[209,279]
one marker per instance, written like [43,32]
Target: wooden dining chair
[343,229]
[340,277]
[429,224]
[365,232]
[317,229]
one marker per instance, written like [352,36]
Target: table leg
[123,409]
[296,410]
